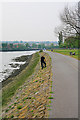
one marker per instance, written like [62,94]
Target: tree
[27,45]
[70,18]
[52,45]
[70,27]
[60,38]
[72,42]
[20,46]
[34,45]
[39,46]
[4,46]
[42,45]
[11,45]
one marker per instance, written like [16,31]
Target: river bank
[32,99]
[24,58]
[9,90]
[8,65]
[4,50]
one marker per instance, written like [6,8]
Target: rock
[41,109]
[36,93]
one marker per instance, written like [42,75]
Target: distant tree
[20,46]
[60,38]
[39,46]
[27,45]
[4,46]
[42,45]
[11,45]
[34,45]
[52,45]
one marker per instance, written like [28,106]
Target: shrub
[41,51]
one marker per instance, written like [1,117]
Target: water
[6,58]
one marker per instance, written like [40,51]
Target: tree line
[26,46]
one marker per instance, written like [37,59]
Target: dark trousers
[42,64]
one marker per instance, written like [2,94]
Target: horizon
[27,41]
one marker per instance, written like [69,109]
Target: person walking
[43,62]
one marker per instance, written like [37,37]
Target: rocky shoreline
[24,58]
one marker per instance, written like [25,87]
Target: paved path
[65,86]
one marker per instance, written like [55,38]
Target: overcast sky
[31,20]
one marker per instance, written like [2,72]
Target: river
[6,58]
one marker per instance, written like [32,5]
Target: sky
[31,21]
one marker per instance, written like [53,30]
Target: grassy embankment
[32,99]
[9,90]
[67,52]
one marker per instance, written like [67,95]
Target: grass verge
[67,52]
[10,89]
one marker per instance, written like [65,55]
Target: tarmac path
[65,86]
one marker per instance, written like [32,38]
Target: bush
[41,51]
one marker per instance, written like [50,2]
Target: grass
[15,103]
[67,52]
[7,110]
[51,92]
[12,116]
[49,109]
[36,81]
[16,97]
[48,106]
[50,101]
[19,107]
[31,110]
[50,98]
[26,98]
[19,80]
[9,106]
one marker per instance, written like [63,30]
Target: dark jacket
[42,59]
